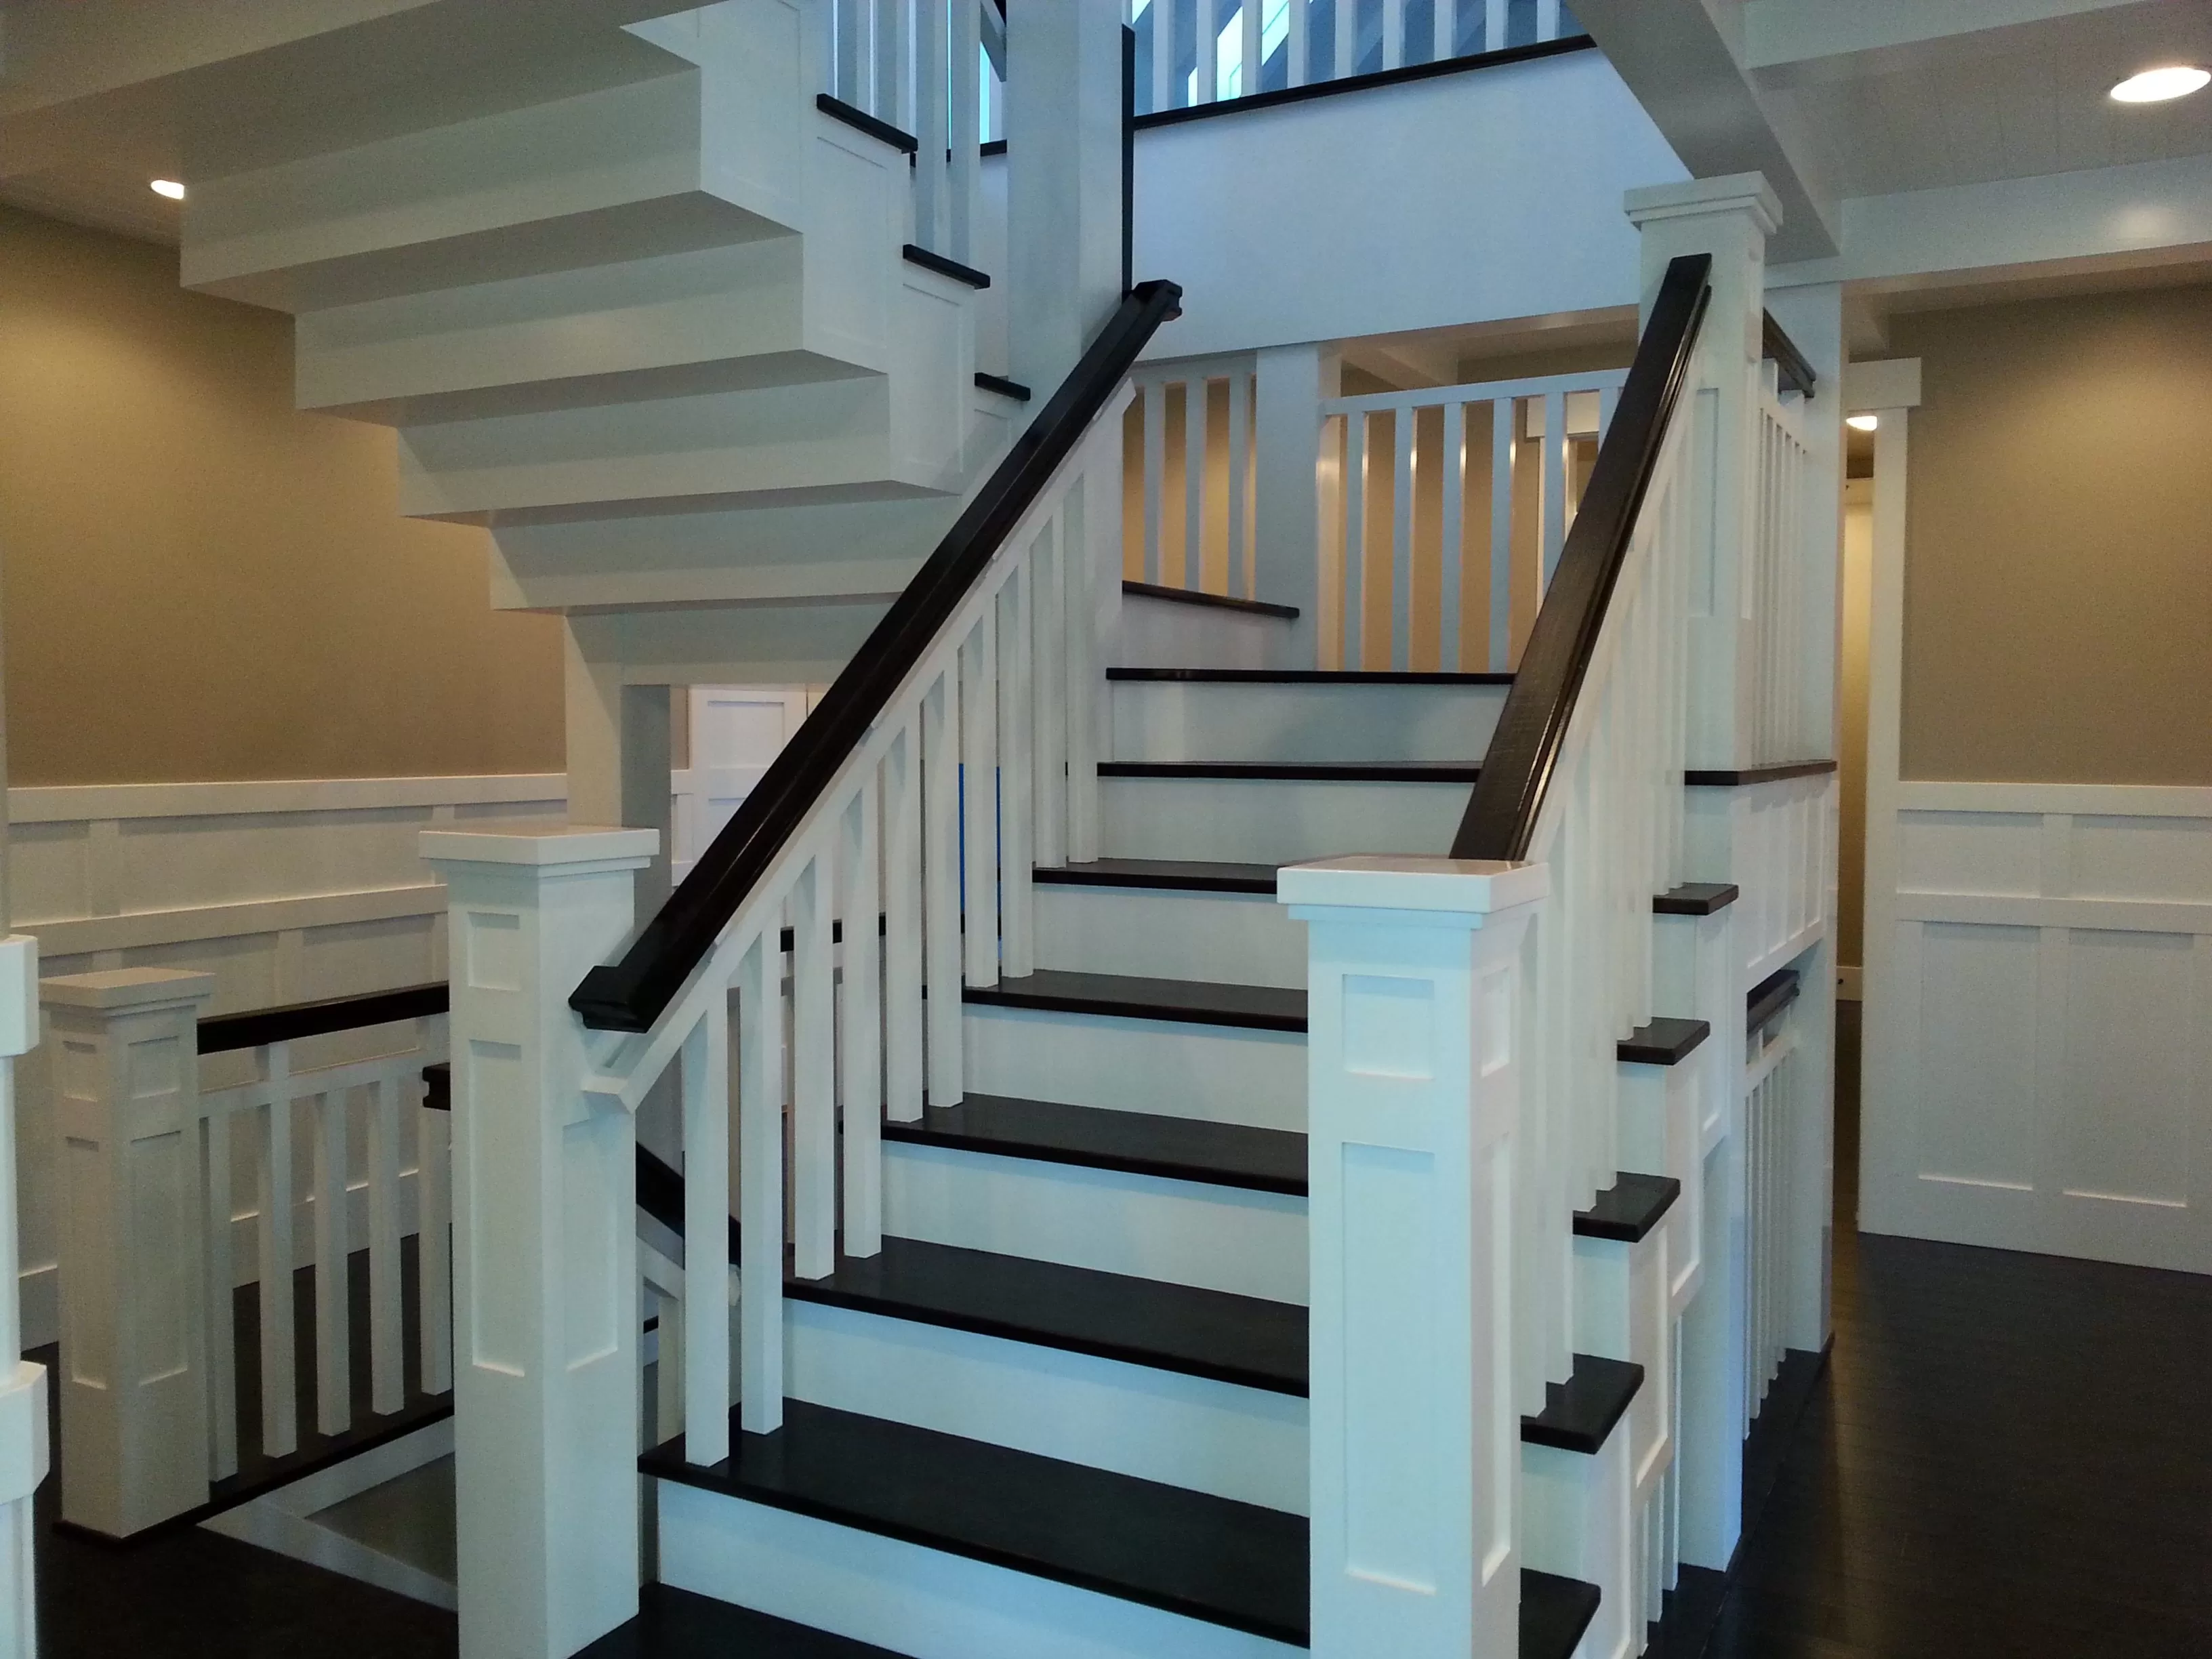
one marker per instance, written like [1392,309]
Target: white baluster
[706,1355]
[903,885]
[1083,567]
[1343,33]
[222,1302]
[893,65]
[1393,32]
[1300,60]
[966,185]
[1207,76]
[813,1074]
[1451,535]
[1547,20]
[387,1381]
[979,799]
[433,1247]
[1558,447]
[1355,539]
[1196,394]
[1444,15]
[1163,54]
[326,1119]
[1156,472]
[759,1163]
[1017,812]
[280,1407]
[1503,437]
[1249,49]
[1493,25]
[1048,613]
[941,746]
[1406,425]
[1241,573]
[932,131]
[861,1031]
[24,1450]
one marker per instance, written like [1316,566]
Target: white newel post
[1731,219]
[545,1322]
[1415,988]
[124,1050]
[22,1385]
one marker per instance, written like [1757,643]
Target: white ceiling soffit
[1684,61]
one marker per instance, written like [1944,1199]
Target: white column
[1731,219]
[1288,386]
[1416,992]
[545,1242]
[22,1385]
[125,1059]
[1063,184]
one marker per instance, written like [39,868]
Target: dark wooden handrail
[630,994]
[1501,815]
[1789,363]
[259,1026]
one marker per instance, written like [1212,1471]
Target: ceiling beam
[1682,59]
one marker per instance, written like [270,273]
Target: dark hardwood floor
[2006,1455]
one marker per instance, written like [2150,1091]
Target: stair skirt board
[1278,820]
[1158,720]
[1228,1441]
[1240,938]
[923,1602]
[1217,1073]
[1181,1232]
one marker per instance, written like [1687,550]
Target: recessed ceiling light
[1862,423]
[170,188]
[2155,86]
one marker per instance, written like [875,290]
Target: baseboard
[1847,982]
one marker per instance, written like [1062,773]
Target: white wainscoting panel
[286,892]
[2039,1022]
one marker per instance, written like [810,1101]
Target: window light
[2155,86]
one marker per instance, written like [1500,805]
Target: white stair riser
[1274,822]
[727,645]
[910,1599]
[745,554]
[1304,720]
[854,438]
[1245,1443]
[1171,634]
[1220,1073]
[1184,1232]
[1577,1520]
[1234,938]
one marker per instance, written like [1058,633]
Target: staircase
[1139,1196]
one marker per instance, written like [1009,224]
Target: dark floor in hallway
[2007,1456]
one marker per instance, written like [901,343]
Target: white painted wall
[1466,198]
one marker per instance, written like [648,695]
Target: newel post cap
[117,989]
[1699,198]
[543,845]
[1413,886]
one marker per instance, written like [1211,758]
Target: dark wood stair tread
[1134,1143]
[1580,1413]
[1696,898]
[1663,1041]
[1217,601]
[675,1624]
[1297,771]
[1192,1002]
[1178,875]
[1307,676]
[1628,1210]
[1554,1613]
[1189,1553]
[1240,1340]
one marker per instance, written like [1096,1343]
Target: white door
[735,731]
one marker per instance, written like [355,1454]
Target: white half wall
[1470,197]
[2038,1021]
[285,891]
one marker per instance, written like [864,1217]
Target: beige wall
[2058,599]
[201,583]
